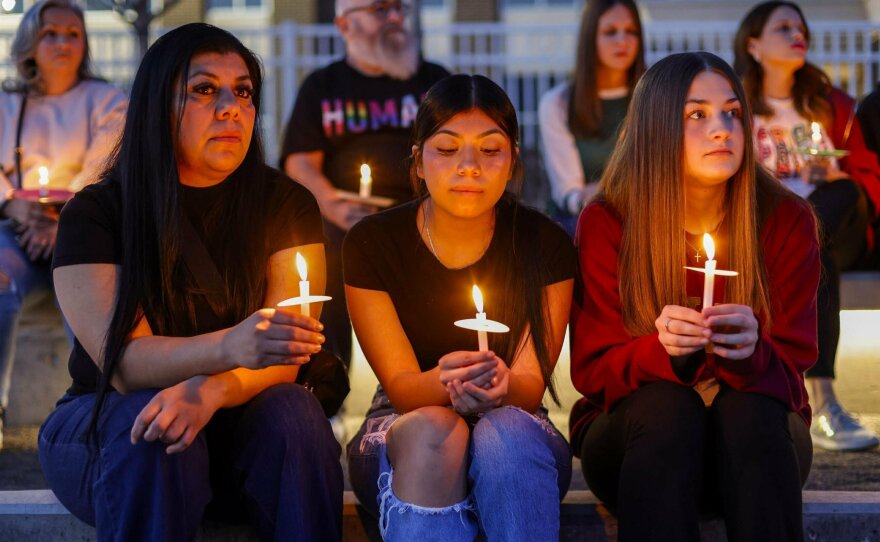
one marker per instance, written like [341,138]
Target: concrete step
[828,515]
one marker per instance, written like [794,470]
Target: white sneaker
[837,430]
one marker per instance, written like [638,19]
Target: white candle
[366,182]
[482,336]
[303,283]
[44,181]
[709,270]
[817,135]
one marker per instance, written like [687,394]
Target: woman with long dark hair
[797,110]
[183,397]
[56,114]
[456,436]
[690,407]
[580,118]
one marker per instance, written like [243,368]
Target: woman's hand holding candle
[476,381]
[737,330]
[272,337]
[682,331]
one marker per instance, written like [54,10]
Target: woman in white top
[580,118]
[56,115]
[798,112]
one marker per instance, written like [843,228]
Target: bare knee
[426,432]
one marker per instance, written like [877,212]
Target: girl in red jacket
[666,428]
[797,111]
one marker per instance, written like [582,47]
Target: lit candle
[44,181]
[303,283]
[817,135]
[366,182]
[482,337]
[709,270]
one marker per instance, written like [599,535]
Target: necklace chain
[698,252]
[427,229]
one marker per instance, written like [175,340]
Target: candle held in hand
[709,279]
[366,187]
[817,135]
[303,283]
[482,336]
[44,181]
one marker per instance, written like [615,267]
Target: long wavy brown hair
[811,84]
[644,182]
[584,105]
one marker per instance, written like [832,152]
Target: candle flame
[709,246]
[816,127]
[301,266]
[365,171]
[44,175]
[478,298]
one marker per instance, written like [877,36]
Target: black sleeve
[362,254]
[869,119]
[304,131]
[88,230]
[558,251]
[297,218]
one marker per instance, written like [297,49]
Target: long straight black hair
[521,302]
[152,282]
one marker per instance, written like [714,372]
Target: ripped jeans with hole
[519,469]
[21,280]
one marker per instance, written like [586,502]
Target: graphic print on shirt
[778,147]
[340,117]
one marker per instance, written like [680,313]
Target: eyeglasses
[381,8]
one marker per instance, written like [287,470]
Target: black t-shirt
[357,119]
[90,226]
[385,252]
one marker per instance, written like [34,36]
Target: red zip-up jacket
[608,364]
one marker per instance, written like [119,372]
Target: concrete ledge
[37,515]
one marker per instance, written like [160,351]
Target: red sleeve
[607,363]
[791,251]
[861,164]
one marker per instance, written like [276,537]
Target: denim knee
[399,520]
[288,416]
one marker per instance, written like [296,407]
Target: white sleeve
[558,149]
[106,123]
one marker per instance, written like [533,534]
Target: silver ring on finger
[668,321]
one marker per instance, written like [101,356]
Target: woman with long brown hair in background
[580,118]
[670,426]
[798,110]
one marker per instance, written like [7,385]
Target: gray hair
[27,37]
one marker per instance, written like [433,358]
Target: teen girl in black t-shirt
[456,437]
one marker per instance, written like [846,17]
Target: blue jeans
[519,471]
[20,279]
[272,462]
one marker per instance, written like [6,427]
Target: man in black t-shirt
[358,110]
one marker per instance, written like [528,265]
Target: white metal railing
[525,59]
